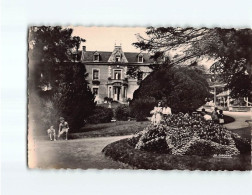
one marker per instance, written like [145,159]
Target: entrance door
[117,91]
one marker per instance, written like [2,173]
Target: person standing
[166,111]
[63,127]
[156,114]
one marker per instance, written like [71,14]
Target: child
[51,133]
[63,127]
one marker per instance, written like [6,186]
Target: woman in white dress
[156,114]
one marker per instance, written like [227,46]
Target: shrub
[183,89]
[100,115]
[122,112]
[140,108]
[106,99]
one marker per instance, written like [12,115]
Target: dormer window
[118,58]
[96,57]
[140,58]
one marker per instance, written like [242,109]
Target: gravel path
[240,118]
[79,153]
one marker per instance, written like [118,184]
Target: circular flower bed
[180,134]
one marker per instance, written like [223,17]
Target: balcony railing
[118,81]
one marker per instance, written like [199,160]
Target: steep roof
[132,57]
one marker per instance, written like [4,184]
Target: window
[140,58]
[95,91]
[117,74]
[118,58]
[95,74]
[96,58]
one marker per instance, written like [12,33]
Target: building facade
[107,72]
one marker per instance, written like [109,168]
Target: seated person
[214,115]
[203,112]
[221,117]
[206,116]
[63,127]
[51,133]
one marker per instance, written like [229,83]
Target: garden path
[240,118]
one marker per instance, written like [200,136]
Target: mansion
[108,78]
[107,72]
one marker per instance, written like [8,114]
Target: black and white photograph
[125,97]
[152,98]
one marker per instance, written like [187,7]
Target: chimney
[83,53]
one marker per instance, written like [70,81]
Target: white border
[17,15]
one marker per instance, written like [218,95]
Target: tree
[49,47]
[182,88]
[57,83]
[229,48]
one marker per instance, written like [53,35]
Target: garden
[182,141]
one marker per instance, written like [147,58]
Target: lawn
[117,128]
[243,132]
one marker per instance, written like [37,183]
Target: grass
[243,132]
[120,128]
[110,129]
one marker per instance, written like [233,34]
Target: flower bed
[123,151]
[181,134]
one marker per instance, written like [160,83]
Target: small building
[107,72]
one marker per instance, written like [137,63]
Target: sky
[105,38]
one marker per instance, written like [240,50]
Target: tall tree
[49,46]
[57,82]
[231,49]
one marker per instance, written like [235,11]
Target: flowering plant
[181,134]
